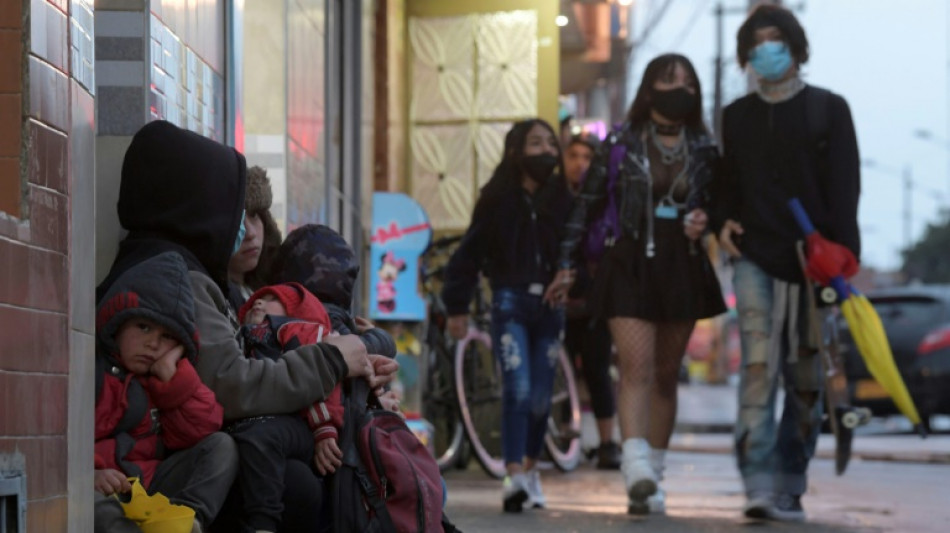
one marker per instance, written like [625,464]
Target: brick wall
[46,263]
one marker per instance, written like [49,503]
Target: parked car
[916,320]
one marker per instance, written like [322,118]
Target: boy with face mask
[785,140]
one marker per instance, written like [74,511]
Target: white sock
[636,449]
[658,460]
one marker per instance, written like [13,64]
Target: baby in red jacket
[275,319]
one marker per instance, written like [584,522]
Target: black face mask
[674,104]
[539,167]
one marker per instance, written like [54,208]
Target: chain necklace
[669,155]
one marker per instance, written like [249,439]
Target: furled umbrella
[830,264]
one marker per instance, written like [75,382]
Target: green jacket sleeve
[254,387]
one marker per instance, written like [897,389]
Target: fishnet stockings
[649,355]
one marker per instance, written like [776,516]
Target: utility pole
[908,208]
[717,90]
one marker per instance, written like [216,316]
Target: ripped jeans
[770,460]
[526,340]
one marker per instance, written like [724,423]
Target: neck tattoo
[774,93]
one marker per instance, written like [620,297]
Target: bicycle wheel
[440,408]
[562,440]
[478,382]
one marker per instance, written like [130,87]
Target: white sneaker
[536,497]
[657,501]
[639,476]
[514,493]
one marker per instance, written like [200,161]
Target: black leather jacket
[634,187]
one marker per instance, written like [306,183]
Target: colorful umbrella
[829,265]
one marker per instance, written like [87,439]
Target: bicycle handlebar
[442,243]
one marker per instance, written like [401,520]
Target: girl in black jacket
[656,281]
[513,240]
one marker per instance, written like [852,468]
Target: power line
[652,23]
[697,11]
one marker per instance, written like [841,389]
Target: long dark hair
[507,176]
[508,173]
[658,68]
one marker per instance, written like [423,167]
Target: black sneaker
[788,508]
[759,505]
[608,456]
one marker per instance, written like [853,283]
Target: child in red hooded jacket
[277,318]
[154,418]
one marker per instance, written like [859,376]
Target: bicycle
[440,402]
[463,391]
[479,384]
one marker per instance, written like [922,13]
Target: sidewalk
[883,489]
[705,495]
[707,414]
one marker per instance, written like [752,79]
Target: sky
[890,62]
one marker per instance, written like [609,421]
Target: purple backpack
[603,232]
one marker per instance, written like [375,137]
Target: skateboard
[842,416]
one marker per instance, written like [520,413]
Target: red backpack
[388,481]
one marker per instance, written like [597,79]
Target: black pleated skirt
[677,284]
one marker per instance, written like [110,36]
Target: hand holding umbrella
[830,263]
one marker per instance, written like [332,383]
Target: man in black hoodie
[786,140]
[185,193]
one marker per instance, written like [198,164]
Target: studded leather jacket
[634,187]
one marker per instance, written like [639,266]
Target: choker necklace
[667,129]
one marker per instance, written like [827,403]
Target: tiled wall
[46,289]
[11,105]
[184,89]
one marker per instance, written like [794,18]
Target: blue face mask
[771,60]
[240,236]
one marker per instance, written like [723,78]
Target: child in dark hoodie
[150,401]
[278,318]
[320,259]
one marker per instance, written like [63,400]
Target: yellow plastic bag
[155,514]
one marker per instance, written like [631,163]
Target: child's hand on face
[327,456]
[165,366]
[109,481]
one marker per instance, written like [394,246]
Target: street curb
[868,455]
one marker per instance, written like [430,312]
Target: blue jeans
[770,460]
[526,340]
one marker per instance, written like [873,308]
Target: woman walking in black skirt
[656,280]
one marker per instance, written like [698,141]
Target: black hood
[180,191]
